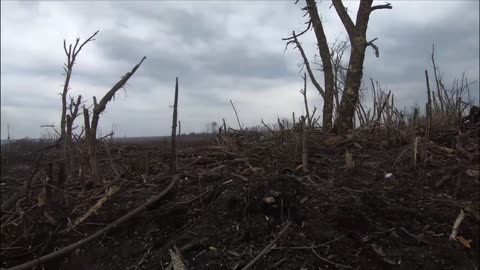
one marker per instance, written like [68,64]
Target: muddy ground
[234,197]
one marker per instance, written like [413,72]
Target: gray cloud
[220,51]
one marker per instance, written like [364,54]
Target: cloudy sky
[220,50]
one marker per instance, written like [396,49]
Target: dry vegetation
[372,187]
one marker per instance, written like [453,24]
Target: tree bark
[357,35]
[324,52]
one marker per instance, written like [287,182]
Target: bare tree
[325,55]
[358,43]
[68,68]
[324,51]
[173,153]
[353,78]
[66,121]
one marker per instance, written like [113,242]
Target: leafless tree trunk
[173,154]
[91,128]
[325,55]
[437,80]
[304,93]
[358,41]
[84,149]
[74,109]
[65,124]
[428,108]
[304,133]
[236,114]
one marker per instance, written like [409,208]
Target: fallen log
[108,228]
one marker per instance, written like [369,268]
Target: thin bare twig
[236,114]
[267,248]
[330,262]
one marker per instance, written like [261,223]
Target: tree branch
[346,20]
[109,95]
[91,38]
[386,6]
[375,48]
[68,249]
[309,25]
[307,65]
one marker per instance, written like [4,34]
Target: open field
[235,195]
[384,174]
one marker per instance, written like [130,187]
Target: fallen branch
[338,265]
[108,228]
[267,248]
[177,263]
[456,224]
[108,193]
[315,246]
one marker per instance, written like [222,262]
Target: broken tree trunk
[65,124]
[98,108]
[304,93]
[173,154]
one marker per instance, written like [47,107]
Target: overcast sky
[220,50]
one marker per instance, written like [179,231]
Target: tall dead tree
[173,154]
[353,78]
[66,121]
[304,94]
[358,43]
[324,51]
[325,55]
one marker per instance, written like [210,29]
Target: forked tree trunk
[358,41]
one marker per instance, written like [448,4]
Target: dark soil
[231,201]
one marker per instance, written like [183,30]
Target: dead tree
[304,94]
[91,126]
[236,114]
[173,154]
[65,123]
[74,107]
[325,55]
[358,43]
[324,51]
